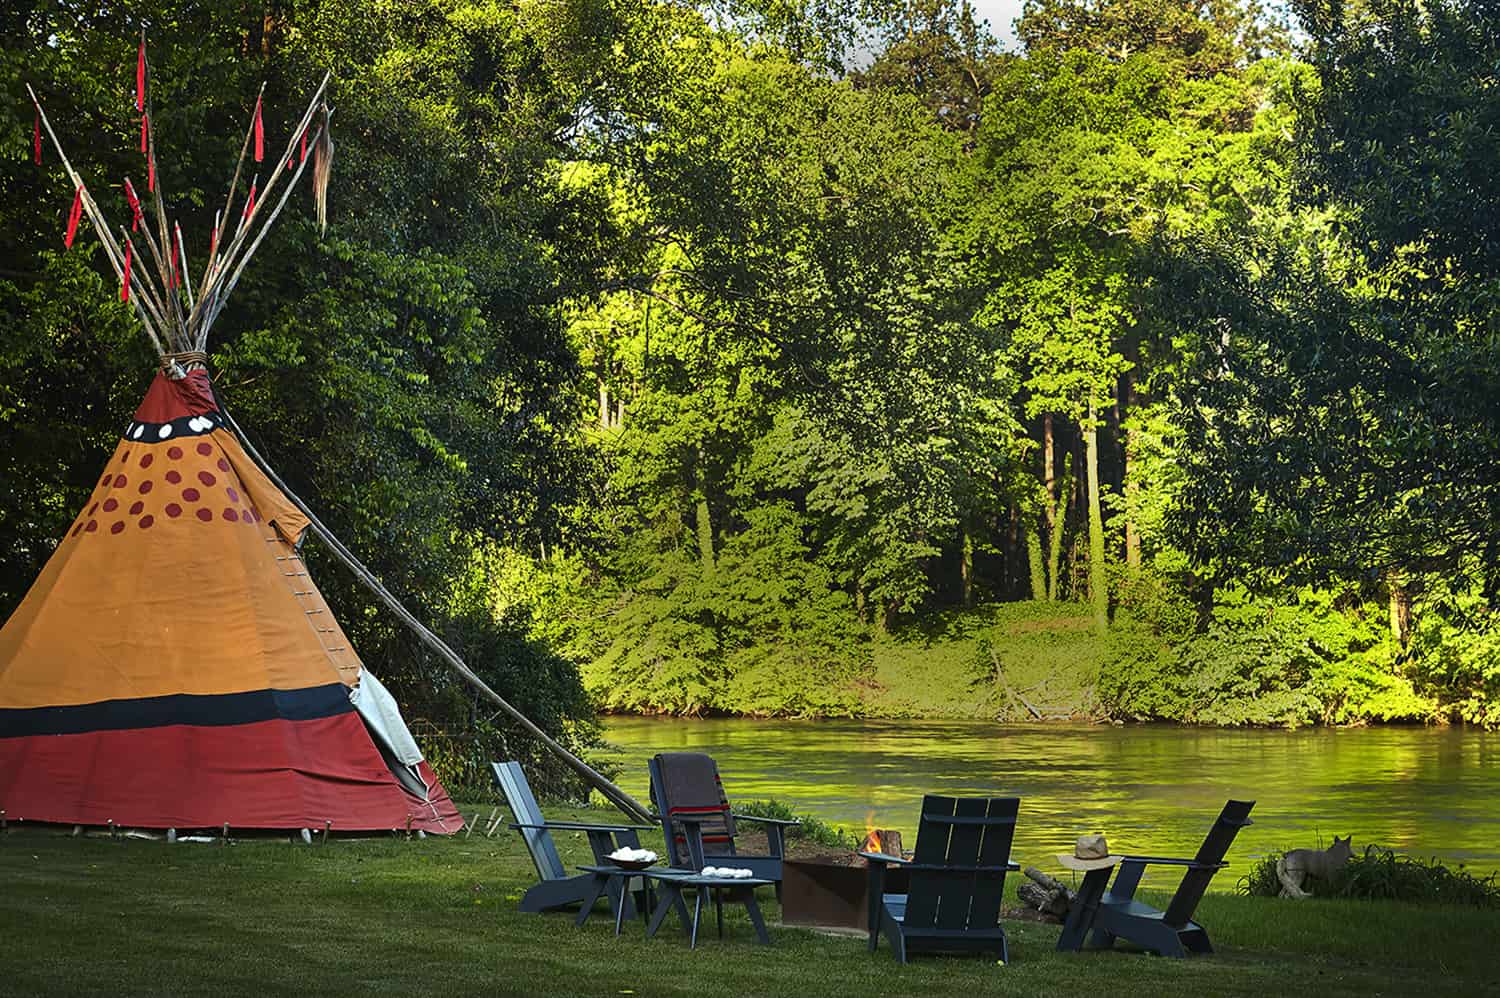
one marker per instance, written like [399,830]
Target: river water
[1153,790]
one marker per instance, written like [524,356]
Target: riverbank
[385,916]
[1304,664]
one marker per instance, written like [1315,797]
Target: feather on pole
[260,132]
[322,167]
[135,205]
[74,215]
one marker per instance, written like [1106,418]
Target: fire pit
[833,891]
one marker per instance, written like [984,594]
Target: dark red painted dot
[223,464]
[146,461]
[205,515]
[145,487]
[93,526]
[206,477]
[106,480]
[109,506]
[174,510]
[205,449]
[233,495]
[173,477]
[125,457]
[147,520]
[92,508]
[121,481]
[190,495]
[174,453]
[245,516]
[118,526]
[136,507]
[77,530]
[230,514]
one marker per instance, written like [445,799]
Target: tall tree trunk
[1049,504]
[1125,407]
[703,521]
[604,407]
[1057,515]
[705,530]
[1395,581]
[1034,558]
[966,566]
[1098,588]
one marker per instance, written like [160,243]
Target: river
[1149,789]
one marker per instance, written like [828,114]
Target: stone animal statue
[1295,867]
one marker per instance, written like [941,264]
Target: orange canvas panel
[170,581]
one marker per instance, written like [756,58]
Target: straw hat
[1090,852]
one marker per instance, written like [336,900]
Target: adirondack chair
[957,878]
[557,889]
[1171,932]
[699,826]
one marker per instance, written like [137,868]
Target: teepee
[174,665]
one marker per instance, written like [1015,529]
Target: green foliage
[1382,875]
[1264,663]
[812,829]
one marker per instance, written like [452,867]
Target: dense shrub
[1259,662]
[812,829]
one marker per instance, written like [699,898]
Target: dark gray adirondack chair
[1171,932]
[557,889]
[957,878]
[698,824]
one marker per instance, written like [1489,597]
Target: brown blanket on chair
[691,786]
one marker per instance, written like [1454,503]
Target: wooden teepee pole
[633,808]
[96,217]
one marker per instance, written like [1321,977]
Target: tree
[1341,426]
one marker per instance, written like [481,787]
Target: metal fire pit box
[831,895]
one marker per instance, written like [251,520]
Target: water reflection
[1430,792]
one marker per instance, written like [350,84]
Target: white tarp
[378,708]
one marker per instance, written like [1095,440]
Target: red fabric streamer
[250,201]
[145,124]
[36,139]
[140,78]
[260,133]
[125,282]
[303,157]
[73,216]
[135,205]
[173,282]
[151,173]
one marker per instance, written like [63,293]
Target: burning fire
[872,834]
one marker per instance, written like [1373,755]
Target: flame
[872,834]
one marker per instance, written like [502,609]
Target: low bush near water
[811,830]
[1382,875]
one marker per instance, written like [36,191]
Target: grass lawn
[382,916]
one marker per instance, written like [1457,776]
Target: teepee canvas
[174,666]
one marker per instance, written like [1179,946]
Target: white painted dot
[165,431]
[140,428]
